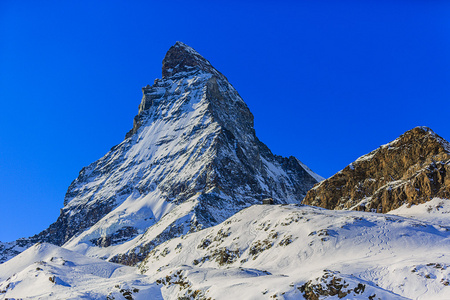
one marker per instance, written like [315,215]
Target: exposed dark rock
[122,235]
[330,285]
[183,59]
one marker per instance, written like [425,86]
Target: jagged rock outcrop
[412,169]
[191,160]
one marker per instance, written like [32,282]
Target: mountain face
[191,160]
[412,169]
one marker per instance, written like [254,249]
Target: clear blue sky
[327,81]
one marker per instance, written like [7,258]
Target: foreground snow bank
[45,271]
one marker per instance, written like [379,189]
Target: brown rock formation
[412,169]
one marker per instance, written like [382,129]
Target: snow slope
[262,252]
[282,252]
[435,211]
[45,271]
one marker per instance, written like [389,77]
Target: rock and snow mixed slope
[262,252]
[412,169]
[290,252]
[191,160]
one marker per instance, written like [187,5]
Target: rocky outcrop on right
[412,169]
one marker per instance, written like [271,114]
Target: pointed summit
[182,59]
[412,169]
[191,160]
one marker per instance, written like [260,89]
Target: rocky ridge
[412,169]
[191,160]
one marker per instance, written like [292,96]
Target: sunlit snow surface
[45,271]
[393,256]
[263,252]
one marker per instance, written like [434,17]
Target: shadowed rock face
[412,169]
[181,59]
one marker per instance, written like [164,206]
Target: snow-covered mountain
[174,212]
[412,169]
[191,160]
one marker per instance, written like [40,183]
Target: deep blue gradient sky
[327,81]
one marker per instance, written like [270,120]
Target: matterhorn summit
[191,160]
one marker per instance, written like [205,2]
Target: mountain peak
[182,59]
[421,136]
[420,130]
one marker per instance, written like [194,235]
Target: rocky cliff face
[191,160]
[412,169]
